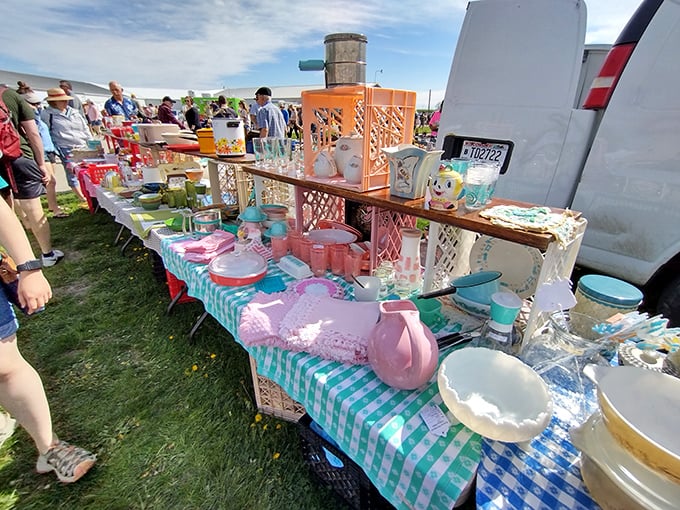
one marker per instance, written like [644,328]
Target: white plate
[332,235]
[519,264]
[648,488]
[494,394]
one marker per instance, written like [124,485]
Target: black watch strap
[30,265]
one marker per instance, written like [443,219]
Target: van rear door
[514,77]
[630,186]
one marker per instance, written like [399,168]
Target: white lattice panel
[386,228]
[269,191]
[229,184]
[448,255]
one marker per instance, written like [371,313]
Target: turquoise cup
[505,307]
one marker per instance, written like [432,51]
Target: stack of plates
[631,447]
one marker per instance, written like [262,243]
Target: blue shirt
[44,133]
[127,108]
[269,116]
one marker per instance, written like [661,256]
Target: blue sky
[206,45]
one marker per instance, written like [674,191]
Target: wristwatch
[30,265]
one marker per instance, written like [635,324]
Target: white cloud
[203,44]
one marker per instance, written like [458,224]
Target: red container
[175,285]
[98,171]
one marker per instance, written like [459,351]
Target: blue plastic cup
[505,307]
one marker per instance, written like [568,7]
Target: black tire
[669,303]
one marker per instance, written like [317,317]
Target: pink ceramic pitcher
[402,350]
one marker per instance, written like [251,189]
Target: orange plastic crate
[98,171]
[383,117]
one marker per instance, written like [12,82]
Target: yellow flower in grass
[264,427]
[276,455]
[171,337]
[213,356]
[258,418]
[278,426]
[194,367]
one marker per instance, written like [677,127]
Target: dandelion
[131,278]
[258,418]
[252,425]
[278,426]
[120,435]
[205,376]
[171,337]
[213,356]
[276,455]
[264,427]
[194,367]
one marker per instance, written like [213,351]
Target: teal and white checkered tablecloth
[379,427]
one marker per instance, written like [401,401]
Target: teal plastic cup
[505,307]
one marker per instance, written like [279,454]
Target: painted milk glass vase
[407,268]
[410,169]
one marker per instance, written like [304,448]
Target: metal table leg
[127,243]
[120,233]
[196,325]
[183,290]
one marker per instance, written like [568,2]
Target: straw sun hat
[57,94]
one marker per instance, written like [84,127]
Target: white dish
[332,235]
[630,355]
[519,264]
[475,309]
[640,483]
[494,394]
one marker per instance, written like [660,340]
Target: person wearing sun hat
[165,114]
[69,131]
[269,118]
[36,101]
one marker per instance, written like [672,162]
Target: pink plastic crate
[383,117]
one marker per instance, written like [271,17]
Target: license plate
[492,152]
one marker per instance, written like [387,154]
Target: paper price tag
[435,420]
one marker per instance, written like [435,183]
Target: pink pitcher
[402,350]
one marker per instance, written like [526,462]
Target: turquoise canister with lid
[603,296]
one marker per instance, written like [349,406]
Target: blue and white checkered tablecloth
[543,474]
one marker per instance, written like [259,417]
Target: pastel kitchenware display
[324,165]
[202,222]
[410,169]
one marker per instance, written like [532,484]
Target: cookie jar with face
[445,189]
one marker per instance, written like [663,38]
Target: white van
[514,82]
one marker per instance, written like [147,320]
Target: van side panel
[514,76]
[630,187]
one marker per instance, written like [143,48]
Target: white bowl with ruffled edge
[494,394]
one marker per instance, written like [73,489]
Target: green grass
[173,424]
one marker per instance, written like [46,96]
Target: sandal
[69,462]
[60,214]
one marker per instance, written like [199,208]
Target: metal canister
[603,296]
[345,59]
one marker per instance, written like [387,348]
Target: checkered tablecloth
[122,211]
[544,474]
[379,427]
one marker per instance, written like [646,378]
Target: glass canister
[603,296]
[563,346]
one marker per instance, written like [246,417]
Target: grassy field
[173,425]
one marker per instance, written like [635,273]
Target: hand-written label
[435,420]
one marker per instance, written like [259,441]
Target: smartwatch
[30,265]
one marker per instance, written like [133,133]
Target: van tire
[669,303]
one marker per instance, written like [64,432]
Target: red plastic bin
[99,170]
[175,286]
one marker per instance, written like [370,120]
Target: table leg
[127,243]
[118,236]
[183,289]
[196,325]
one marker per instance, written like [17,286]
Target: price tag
[435,420]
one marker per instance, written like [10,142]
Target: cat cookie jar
[446,187]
